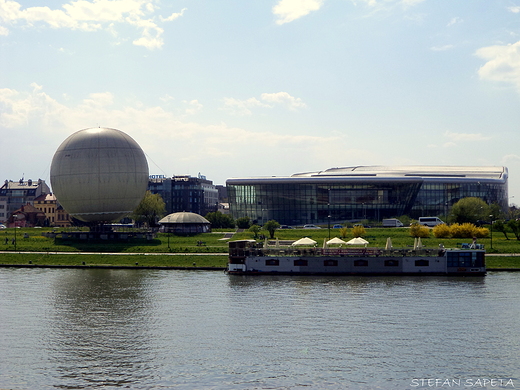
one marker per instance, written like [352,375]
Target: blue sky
[264,88]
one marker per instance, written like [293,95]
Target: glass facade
[321,199]
[185,193]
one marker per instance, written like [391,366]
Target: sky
[235,88]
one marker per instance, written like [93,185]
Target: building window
[422,263]
[272,262]
[301,262]
[360,263]
[391,263]
[330,263]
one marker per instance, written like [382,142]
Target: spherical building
[99,175]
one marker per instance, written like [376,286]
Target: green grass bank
[202,250]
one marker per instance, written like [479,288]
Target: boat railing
[342,251]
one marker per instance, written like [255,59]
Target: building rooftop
[391,173]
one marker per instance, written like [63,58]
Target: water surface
[156,329]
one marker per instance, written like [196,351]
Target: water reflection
[100,331]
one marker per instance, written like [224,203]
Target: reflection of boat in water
[251,257]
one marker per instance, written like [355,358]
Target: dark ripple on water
[83,329]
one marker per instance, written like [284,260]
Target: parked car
[2,226]
[285,227]
[311,226]
[392,222]
[430,221]
[337,226]
[360,224]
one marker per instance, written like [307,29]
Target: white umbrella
[335,240]
[357,241]
[388,244]
[304,241]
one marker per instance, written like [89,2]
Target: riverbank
[35,247]
[186,261]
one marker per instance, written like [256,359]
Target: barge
[262,258]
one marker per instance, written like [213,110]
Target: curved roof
[183,217]
[417,174]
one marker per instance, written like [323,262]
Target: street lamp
[491,231]
[328,211]
[169,231]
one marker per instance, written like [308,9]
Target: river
[158,329]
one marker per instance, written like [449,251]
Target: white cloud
[455,20]
[457,137]
[290,10]
[267,100]
[510,158]
[173,16]
[91,16]
[173,143]
[241,107]
[515,9]
[283,98]
[193,107]
[442,48]
[503,63]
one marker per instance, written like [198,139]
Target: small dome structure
[185,223]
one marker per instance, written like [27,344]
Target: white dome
[99,175]
[183,217]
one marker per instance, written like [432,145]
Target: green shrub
[343,232]
[481,232]
[418,230]
[358,231]
[442,231]
[465,230]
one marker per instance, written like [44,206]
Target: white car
[2,226]
[310,226]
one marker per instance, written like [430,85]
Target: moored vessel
[252,257]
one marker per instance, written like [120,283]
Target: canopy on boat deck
[357,241]
[304,241]
[336,240]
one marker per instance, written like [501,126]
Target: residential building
[14,195]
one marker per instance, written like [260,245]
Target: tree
[499,226]
[220,221]
[271,227]
[470,210]
[255,229]
[514,225]
[150,209]
[243,222]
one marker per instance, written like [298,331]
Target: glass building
[364,192]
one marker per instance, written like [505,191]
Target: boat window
[272,262]
[301,262]
[330,263]
[391,263]
[466,259]
[422,263]
[360,263]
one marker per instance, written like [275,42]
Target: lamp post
[491,231]
[169,232]
[328,211]
[15,217]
